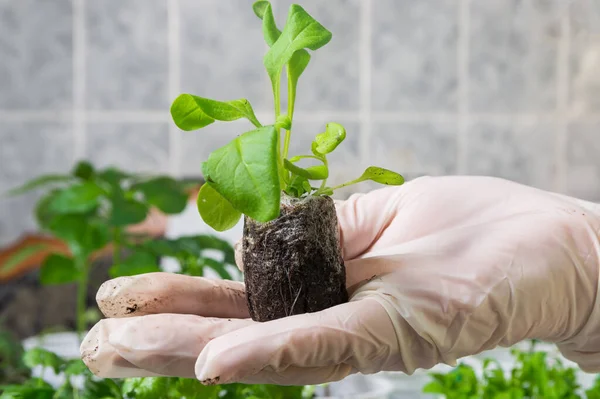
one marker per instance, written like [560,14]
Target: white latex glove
[437,269]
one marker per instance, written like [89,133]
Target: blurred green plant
[79,383]
[533,376]
[91,208]
[12,368]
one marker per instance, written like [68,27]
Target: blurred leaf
[35,388]
[147,387]
[218,267]
[126,211]
[41,357]
[76,367]
[58,269]
[78,198]
[191,388]
[40,182]
[433,387]
[112,176]
[164,193]
[83,235]
[84,170]
[136,263]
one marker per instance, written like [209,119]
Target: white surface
[65,345]
[189,223]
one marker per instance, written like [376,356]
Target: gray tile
[524,153]
[36,52]
[414,55]
[585,17]
[127,54]
[331,81]
[513,56]
[583,172]
[415,149]
[135,147]
[17,217]
[222,49]
[28,150]
[584,66]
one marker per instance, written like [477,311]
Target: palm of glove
[437,269]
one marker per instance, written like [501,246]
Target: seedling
[291,250]
[248,175]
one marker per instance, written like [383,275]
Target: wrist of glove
[437,269]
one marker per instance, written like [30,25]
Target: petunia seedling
[249,175]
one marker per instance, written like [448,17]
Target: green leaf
[147,387]
[245,173]
[298,187]
[217,267]
[296,67]
[58,269]
[434,387]
[283,122]
[78,198]
[264,11]
[299,60]
[39,182]
[301,31]
[164,193]
[41,357]
[318,172]
[84,170]
[215,210]
[82,234]
[136,263]
[191,112]
[126,211]
[191,388]
[327,141]
[112,176]
[382,176]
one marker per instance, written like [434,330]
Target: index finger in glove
[308,349]
[172,293]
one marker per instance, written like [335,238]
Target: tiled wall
[499,87]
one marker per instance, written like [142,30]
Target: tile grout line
[365,60]
[174,44]
[79,51]
[463,86]
[562,96]
[154,115]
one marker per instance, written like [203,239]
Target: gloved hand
[437,269]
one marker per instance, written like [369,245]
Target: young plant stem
[324,183]
[82,285]
[277,100]
[290,111]
[117,234]
[351,182]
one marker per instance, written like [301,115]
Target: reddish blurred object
[32,249]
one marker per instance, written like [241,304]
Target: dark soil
[293,264]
